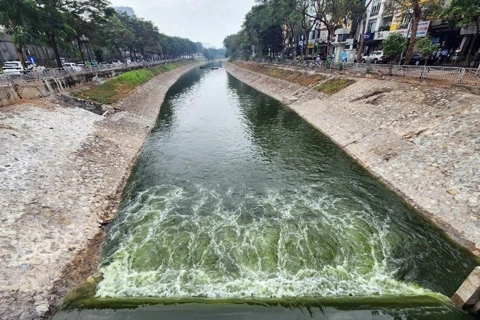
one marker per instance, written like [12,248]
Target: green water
[235,200]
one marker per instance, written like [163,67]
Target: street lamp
[85,40]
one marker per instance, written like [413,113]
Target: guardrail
[35,75]
[466,76]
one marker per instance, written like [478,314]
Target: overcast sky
[206,21]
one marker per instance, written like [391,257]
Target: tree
[426,48]
[394,45]
[86,18]
[413,11]
[417,13]
[334,14]
[18,17]
[362,30]
[462,13]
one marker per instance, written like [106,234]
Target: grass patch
[113,90]
[334,85]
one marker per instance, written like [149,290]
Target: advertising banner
[422,30]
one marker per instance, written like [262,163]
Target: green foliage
[426,47]
[59,25]
[394,45]
[461,12]
[334,85]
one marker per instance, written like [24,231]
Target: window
[375,8]
[371,26]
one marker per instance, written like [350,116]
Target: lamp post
[85,40]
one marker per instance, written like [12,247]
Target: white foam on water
[193,241]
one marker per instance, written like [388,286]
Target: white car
[375,57]
[70,66]
[13,68]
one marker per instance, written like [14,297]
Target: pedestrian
[455,56]
[444,55]
[437,56]
[476,60]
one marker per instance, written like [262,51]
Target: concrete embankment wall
[21,91]
[420,140]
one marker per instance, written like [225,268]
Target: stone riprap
[62,170]
[422,140]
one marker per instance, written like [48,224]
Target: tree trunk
[53,42]
[417,12]
[329,39]
[20,56]
[18,47]
[469,54]
[362,36]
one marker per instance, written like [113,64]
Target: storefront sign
[422,30]
[380,35]
[368,36]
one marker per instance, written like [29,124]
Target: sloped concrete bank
[422,141]
[62,170]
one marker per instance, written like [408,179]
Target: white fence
[466,76]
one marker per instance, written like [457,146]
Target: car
[70,66]
[13,68]
[417,59]
[375,57]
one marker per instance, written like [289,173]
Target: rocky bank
[62,170]
[421,139]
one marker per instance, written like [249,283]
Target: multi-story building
[377,24]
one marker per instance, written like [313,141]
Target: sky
[206,21]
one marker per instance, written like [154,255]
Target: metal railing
[35,75]
[458,75]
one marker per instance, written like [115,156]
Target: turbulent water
[234,196]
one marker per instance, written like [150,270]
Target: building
[377,25]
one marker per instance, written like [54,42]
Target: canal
[239,209]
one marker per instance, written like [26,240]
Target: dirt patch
[374,93]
